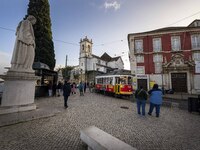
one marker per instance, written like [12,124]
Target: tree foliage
[67,72]
[44,51]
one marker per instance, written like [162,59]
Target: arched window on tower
[82,47]
[88,48]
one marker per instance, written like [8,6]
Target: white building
[90,65]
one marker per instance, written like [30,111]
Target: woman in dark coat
[66,92]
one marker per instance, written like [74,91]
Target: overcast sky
[106,22]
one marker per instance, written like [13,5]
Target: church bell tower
[85,47]
[85,54]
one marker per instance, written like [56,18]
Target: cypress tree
[44,51]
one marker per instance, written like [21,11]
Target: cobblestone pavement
[175,129]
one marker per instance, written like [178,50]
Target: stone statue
[24,49]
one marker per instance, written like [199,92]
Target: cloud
[115,5]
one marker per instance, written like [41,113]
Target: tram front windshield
[125,80]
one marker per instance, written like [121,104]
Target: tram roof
[117,72]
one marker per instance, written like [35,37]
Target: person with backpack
[141,97]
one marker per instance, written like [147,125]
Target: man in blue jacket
[155,99]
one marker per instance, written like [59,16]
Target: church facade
[91,65]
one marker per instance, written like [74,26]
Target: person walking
[90,87]
[85,86]
[73,88]
[66,92]
[59,87]
[155,99]
[50,86]
[54,89]
[80,87]
[141,97]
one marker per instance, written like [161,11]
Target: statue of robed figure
[24,49]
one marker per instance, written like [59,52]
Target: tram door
[143,83]
[117,85]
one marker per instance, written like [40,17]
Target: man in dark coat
[66,92]
[141,97]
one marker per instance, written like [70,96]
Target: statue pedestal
[19,92]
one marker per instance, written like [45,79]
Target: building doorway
[179,82]
[143,83]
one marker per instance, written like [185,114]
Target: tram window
[117,80]
[123,80]
[104,80]
[110,80]
[107,80]
[99,80]
[129,80]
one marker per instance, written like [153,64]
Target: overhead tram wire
[184,18]
[168,25]
[7,29]
[53,39]
[109,42]
[75,44]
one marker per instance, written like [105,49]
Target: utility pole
[66,62]
[66,67]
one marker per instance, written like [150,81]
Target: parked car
[170,91]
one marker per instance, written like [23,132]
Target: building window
[158,67]
[88,48]
[197,23]
[140,59]
[82,47]
[99,62]
[157,58]
[196,56]
[139,46]
[81,64]
[157,47]
[140,70]
[175,43]
[132,45]
[195,41]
